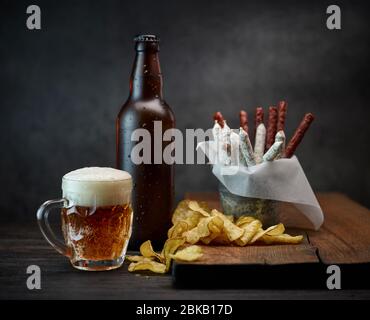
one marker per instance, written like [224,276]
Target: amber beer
[97,233]
[153,189]
[96,217]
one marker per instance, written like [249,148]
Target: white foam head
[96,186]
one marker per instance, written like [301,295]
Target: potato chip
[201,230]
[250,231]
[193,205]
[221,239]
[177,229]
[211,237]
[147,251]
[232,231]
[215,225]
[190,253]
[282,238]
[193,219]
[262,232]
[182,211]
[147,265]
[138,258]
[170,247]
[276,231]
[230,217]
[244,220]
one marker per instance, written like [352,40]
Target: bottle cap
[146,38]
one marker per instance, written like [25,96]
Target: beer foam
[97,186]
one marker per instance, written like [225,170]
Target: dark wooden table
[22,245]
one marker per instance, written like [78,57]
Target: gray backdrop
[62,86]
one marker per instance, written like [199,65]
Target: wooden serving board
[343,240]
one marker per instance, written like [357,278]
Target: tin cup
[264,210]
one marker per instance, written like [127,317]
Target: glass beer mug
[96,218]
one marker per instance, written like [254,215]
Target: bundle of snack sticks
[270,144]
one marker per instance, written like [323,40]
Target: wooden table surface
[22,245]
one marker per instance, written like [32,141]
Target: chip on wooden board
[282,239]
[190,253]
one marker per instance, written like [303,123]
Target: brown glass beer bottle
[153,182]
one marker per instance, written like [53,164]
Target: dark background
[62,87]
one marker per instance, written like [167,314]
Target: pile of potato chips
[193,223]
[160,263]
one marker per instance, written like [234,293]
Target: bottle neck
[146,77]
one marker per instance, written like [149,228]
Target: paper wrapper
[281,180]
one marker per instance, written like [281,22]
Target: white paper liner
[281,180]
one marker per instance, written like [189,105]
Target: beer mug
[96,218]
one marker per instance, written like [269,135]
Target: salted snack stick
[234,149]
[226,143]
[216,131]
[243,116]
[280,136]
[221,146]
[259,145]
[246,148]
[271,127]
[282,109]
[298,135]
[273,151]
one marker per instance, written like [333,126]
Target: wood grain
[259,254]
[344,237]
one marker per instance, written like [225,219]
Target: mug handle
[43,222]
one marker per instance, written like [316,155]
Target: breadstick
[259,145]
[282,115]
[246,148]
[273,151]
[271,127]
[298,134]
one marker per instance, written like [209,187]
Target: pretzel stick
[271,127]
[273,151]
[258,119]
[282,109]
[259,145]
[298,135]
